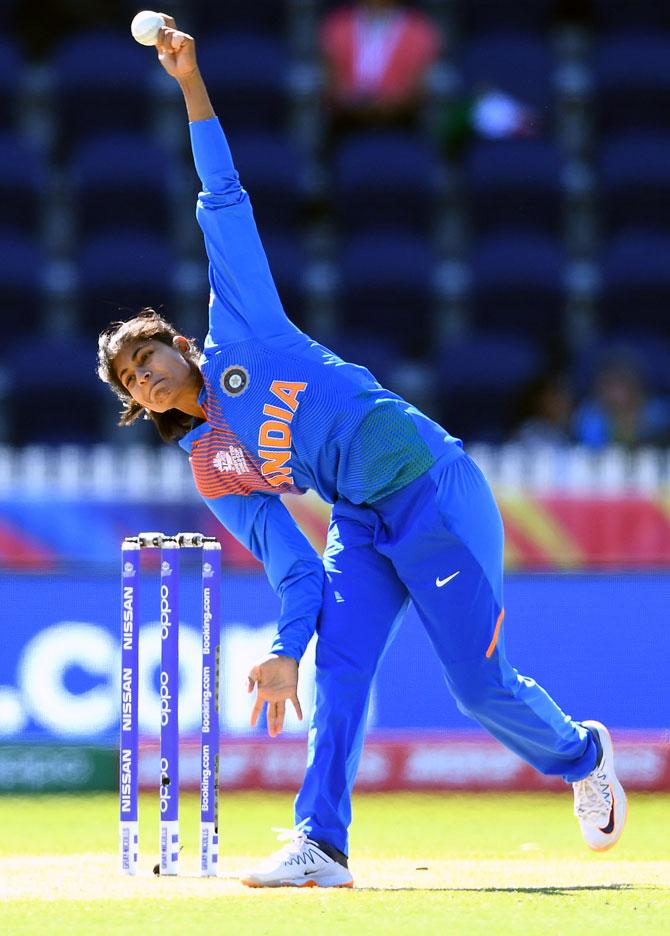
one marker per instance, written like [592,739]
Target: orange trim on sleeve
[494,639]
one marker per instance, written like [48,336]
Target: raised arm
[176,53]
[244,300]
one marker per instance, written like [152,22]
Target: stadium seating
[274,172]
[387,288]
[385,179]
[22,269]
[648,352]
[90,99]
[55,396]
[247,76]
[632,82]
[521,65]
[121,179]
[379,218]
[120,272]
[636,281]
[22,183]
[630,197]
[514,183]
[10,70]
[518,283]
[478,409]
[288,264]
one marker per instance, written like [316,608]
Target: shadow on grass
[546,891]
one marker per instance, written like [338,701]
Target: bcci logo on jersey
[231,459]
[234,380]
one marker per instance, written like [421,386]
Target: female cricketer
[265,410]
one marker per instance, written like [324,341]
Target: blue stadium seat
[90,99]
[518,283]
[635,274]
[385,179]
[288,264]
[22,180]
[521,65]
[120,272]
[632,82]
[22,266]
[479,379]
[121,179]
[55,396]
[514,182]
[247,77]
[387,288]
[634,180]
[10,70]
[649,352]
[274,172]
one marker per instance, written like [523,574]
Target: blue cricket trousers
[379,557]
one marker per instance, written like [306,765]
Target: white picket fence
[99,472]
[105,472]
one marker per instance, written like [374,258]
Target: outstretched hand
[176,50]
[276,680]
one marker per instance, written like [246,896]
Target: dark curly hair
[147,325]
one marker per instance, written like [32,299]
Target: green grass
[424,864]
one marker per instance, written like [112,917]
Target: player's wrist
[198,105]
[191,82]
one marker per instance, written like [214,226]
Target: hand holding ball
[175,49]
[145,27]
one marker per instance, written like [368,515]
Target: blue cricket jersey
[283,413]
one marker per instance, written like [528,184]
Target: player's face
[155,374]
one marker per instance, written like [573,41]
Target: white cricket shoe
[600,801]
[301,863]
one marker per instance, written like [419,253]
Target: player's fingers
[276,713]
[163,42]
[296,705]
[179,40]
[252,678]
[171,40]
[270,718]
[256,710]
[169,20]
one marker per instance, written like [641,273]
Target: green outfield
[423,864]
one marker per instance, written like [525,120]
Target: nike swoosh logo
[312,872]
[440,582]
[609,828]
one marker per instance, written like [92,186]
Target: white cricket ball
[145,26]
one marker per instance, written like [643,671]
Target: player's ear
[181,344]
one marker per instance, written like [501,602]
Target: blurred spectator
[544,412]
[377,55]
[490,114]
[620,411]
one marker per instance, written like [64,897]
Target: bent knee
[475,687]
